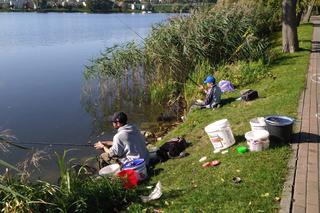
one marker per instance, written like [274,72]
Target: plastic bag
[226,86]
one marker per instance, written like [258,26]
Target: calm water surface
[43,95]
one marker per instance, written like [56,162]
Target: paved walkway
[301,191]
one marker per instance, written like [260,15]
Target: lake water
[43,95]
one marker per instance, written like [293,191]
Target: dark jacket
[213,97]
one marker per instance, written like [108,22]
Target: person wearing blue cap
[213,95]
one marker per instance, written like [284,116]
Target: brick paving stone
[305,177]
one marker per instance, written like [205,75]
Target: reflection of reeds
[32,161]
[101,97]
[6,136]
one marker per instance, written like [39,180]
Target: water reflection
[101,98]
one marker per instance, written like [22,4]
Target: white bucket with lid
[111,169]
[258,140]
[220,135]
[139,166]
[258,124]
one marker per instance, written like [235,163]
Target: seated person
[213,95]
[128,144]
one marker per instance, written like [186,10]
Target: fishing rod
[56,144]
[193,81]
[21,145]
[130,29]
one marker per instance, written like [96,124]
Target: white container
[257,140]
[139,166]
[258,124]
[220,135]
[111,169]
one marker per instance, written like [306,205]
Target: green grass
[187,187]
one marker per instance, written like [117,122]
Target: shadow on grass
[227,101]
[283,60]
[305,49]
[305,40]
[239,139]
[153,172]
[277,144]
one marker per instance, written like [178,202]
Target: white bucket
[111,169]
[258,140]
[220,135]
[258,124]
[139,166]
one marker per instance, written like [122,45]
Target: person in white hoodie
[128,144]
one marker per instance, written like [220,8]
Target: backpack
[172,149]
[249,95]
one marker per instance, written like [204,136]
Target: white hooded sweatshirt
[129,144]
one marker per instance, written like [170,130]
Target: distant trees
[308,9]
[100,5]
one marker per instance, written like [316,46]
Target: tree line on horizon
[98,5]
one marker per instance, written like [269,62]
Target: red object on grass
[129,178]
[212,163]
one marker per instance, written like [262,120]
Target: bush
[221,35]
[98,6]
[242,73]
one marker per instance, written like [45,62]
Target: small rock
[224,152]
[203,159]
[236,179]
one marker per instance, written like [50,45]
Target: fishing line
[48,144]
[130,28]
[193,81]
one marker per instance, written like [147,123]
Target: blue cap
[210,79]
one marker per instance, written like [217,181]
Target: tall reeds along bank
[85,195]
[74,192]
[170,54]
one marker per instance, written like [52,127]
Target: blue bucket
[139,166]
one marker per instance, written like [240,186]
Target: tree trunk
[307,16]
[289,26]
[299,16]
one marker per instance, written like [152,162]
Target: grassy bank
[189,187]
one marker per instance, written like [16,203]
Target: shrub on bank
[242,73]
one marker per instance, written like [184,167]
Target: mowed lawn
[188,187]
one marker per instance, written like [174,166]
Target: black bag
[249,95]
[172,149]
